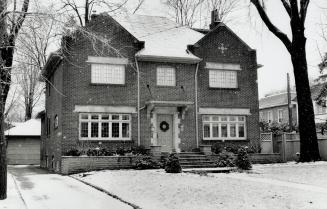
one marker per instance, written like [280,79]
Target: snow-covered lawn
[268,186]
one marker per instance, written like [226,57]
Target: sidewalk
[40,190]
[14,200]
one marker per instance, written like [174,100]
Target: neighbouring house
[23,143]
[274,108]
[155,83]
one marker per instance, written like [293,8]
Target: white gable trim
[222,66]
[108,60]
[224,111]
[104,109]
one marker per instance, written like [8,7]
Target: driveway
[42,190]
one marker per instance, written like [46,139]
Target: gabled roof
[163,38]
[275,100]
[29,128]
[220,25]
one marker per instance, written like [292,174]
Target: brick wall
[52,143]
[77,80]
[246,95]
[71,165]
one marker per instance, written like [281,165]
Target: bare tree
[33,43]
[82,11]
[184,11]
[297,11]
[224,8]
[10,25]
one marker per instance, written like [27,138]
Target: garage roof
[29,128]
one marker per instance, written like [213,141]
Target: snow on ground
[150,189]
[13,200]
[41,190]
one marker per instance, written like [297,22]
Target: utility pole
[289,104]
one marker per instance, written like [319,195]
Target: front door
[165,132]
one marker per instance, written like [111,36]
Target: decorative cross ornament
[222,48]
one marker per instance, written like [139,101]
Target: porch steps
[195,160]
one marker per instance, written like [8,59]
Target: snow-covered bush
[225,159]
[146,163]
[173,165]
[242,160]
[73,152]
[139,150]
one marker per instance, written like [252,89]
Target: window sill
[101,139]
[219,88]
[107,84]
[224,139]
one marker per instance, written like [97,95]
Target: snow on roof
[29,128]
[163,37]
[275,100]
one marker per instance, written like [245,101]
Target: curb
[106,192]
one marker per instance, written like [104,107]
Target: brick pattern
[71,165]
[245,96]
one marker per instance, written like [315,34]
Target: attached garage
[23,143]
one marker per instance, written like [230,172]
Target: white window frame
[219,85]
[100,121]
[219,122]
[110,67]
[269,116]
[161,81]
[280,119]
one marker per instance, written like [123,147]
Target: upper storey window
[166,76]
[107,70]
[223,75]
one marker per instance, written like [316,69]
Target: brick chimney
[214,19]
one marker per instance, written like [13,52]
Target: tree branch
[303,11]
[278,33]
[287,7]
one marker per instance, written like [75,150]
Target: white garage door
[23,151]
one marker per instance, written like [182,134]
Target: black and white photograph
[163,104]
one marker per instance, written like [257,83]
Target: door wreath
[164,126]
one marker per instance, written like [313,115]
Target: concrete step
[199,166]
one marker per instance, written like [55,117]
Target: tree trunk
[309,150]
[3,155]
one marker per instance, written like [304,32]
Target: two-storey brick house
[149,81]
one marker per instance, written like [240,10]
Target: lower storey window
[105,126]
[223,127]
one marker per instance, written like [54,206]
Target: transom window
[223,78]
[166,76]
[107,73]
[105,126]
[217,127]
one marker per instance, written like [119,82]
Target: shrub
[121,151]
[146,163]
[173,165]
[229,147]
[225,159]
[73,152]
[242,160]
[139,150]
[99,152]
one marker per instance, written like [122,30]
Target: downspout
[196,106]
[138,104]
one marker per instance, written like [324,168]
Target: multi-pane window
[223,78]
[107,74]
[223,127]
[166,76]
[320,109]
[105,126]
[280,116]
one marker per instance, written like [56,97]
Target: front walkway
[41,190]
[281,186]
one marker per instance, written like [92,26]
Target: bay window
[95,126]
[222,127]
